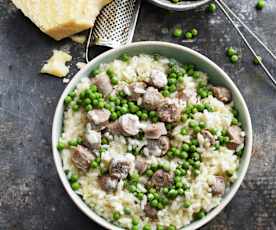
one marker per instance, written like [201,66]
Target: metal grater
[115,25]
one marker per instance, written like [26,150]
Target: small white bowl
[216,76]
[181,6]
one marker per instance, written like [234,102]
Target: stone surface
[31,194]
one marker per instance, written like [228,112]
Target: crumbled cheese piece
[56,64]
[61,18]
[78,38]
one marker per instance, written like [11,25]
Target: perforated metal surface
[115,25]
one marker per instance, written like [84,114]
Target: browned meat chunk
[119,168]
[218,187]
[103,84]
[157,147]
[155,131]
[135,90]
[152,98]
[150,212]
[92,138]
[99,118]
[236,139]
[108,183]
[161,179]
[158,78]
[169,112]
[141,166]
[81,158]
[222,93]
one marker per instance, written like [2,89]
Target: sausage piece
[155,131]
[141,166]
[236,139]
[161,179]
[218,187]
[99,118]
[135,90]
[157,147]
[92,139]
[158,78]
[81,158]
[169,112]
[103,83]
[150,212]
[223,94]
[119,168]
[108,183]
[152,98]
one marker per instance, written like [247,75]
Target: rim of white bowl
[185,5]
[59,110]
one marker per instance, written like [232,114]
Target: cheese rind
[61,18]
[56,64]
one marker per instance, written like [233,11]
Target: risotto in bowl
[151,136]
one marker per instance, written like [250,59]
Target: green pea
[124,57]
[171,227]
[135,227]
[165,190]
[160,227]
[134,177]
[199,215]
[154,203]
[101,104]
[194,32]
[172,88]
[133,108]
[186,204]
[110,73]
[127,210]
[60,146]
[260,4]
[188,35]
[231,51]
[149,172]
[73,142]
[178,184]
[172,75]
[184,117]
[75,107]
[193,148]
[135,220]
[116,216]
[124,110]
[192,124]
[184,131]
[172,81]
[144,116]
[257,60]
[87,101]
[202,125]
[234,59]
[74,178]
[197,129]
[195,172]
[185,147]
[196,74]
[185,165]
[235,121]
[212,8]
[94,72]
[93,88]
[196,165]
[67,100]
[75,186]
[180,191]
[183,155]
[165,93]
[94,164]
[177,32]
[140,196]
[150,196]
[114,81]
[172,193]
[147,227]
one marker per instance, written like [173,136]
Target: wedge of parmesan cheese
[61,18]
[56,64]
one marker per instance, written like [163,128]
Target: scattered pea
[177,32]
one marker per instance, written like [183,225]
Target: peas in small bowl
[179,5]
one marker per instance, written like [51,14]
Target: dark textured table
[31,195]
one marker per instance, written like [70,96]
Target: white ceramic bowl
[181,6]
[183,54]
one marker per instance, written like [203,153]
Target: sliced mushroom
[81,158]
[150,212]
[221,93]
[135,90]
[152,98]
[158,78]
[119,168]
[218,187]
[108,183]
[169,112]
[157,147]
[99,118]
[155,131]
[92,139]
[236,139]
[103,83]
[161,179]
[141,166]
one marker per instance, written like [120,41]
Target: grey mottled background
[31,195]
